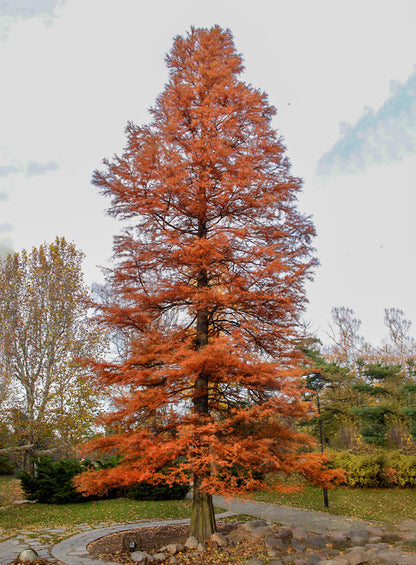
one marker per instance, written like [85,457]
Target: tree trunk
[203,517]
[28,461]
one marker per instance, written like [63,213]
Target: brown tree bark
[202,517]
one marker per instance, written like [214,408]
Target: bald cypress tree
[208,284]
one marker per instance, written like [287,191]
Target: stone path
[313,521]
[73,550]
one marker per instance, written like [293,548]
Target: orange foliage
[208,285]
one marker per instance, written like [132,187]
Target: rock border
[295,545]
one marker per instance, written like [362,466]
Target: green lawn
[34,516]
[384,505]
[9,490]
[30,516]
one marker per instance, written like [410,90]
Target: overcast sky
[341,73]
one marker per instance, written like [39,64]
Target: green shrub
[53,481]
[368,470]
[403,469]
[377,469]
[161,491]
[6,466]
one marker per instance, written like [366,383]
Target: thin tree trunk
[28,461]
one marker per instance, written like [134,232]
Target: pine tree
[208,285]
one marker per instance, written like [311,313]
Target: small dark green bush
[161,491]
[53,481]
[6,466]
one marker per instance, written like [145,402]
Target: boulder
[172,548]
[254,524]
[299,534]
[390,537]
[261,532]
[315,542]
[356,557]
[141,557]
[28,555]
[159,557]
[298,546]
[254,561]
[314,559]
[358,536]
[339,541]
[271,541]
[219,539]
[191,543]
[285,534]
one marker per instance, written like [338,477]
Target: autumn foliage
[207,286]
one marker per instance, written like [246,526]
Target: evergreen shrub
[160,491]
[6,466]
[53,481]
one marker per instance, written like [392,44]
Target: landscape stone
[141,557]
[339,541]
[254,524]
[299,534]
[219,539]
[315,542]
[261,532]
[271,541]
[298,546]
[313,560]
[392,558]
[254,561]
[373,531]
[356,557]
[172,548]
[28,555]
[378,560]
[237,535]
[201,547]
[285,534]
[159,557]
[390,537]
[335,561]
[330,552]
[191,543]
[358,536]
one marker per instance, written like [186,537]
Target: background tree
[216,244]
[344,332]
[402,344]
[44,331]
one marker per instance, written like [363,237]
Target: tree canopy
[44,331]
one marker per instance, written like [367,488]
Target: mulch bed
[115,547]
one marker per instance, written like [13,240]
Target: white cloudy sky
[341,73]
